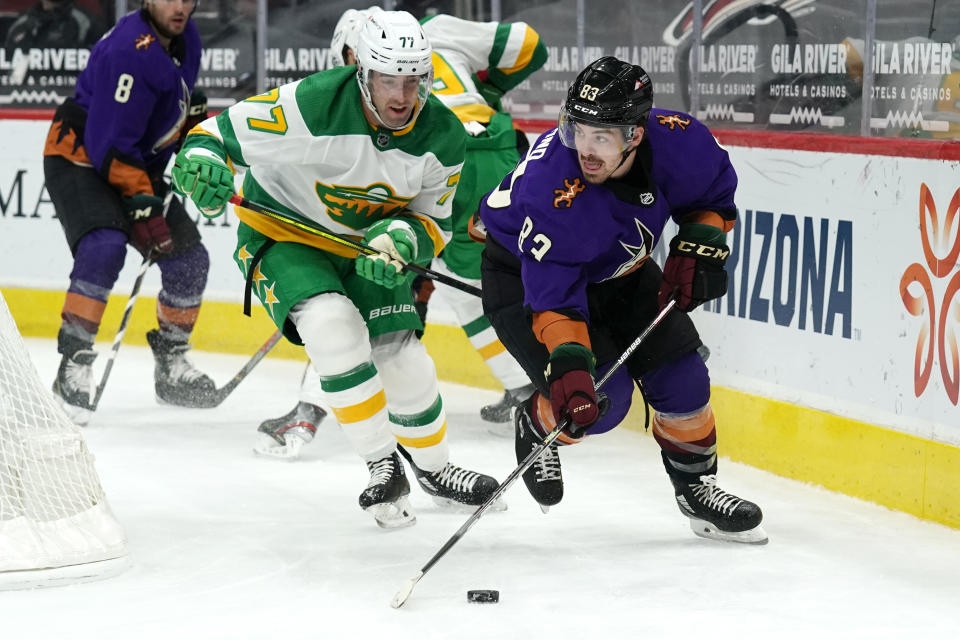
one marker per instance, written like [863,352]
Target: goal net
[55,524]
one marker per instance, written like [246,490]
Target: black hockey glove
[693,272]
[149,230]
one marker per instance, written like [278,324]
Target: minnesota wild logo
[359,207]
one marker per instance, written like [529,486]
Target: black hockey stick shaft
[228,388]
[147,261]
[405,591]
[316,230]
[117,339]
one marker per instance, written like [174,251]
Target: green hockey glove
[208,182]
[397,244]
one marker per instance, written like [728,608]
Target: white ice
[227,545]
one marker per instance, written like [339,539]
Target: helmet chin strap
[623,158]
[368,100]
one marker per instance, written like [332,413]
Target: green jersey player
[366,152]
[474,64]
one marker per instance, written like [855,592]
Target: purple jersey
[569,233]
[136,96]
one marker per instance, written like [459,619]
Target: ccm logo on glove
[693,272]
[703,250]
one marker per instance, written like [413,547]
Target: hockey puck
[483,595]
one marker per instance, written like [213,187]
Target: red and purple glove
[693,272]
[149,230]
[570,378]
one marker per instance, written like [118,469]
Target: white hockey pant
[468,309]
[380,394]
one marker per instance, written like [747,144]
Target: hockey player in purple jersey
[103,161]
[568,282]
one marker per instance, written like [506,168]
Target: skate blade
[269,448]
[706,530]
[79,416]
[497,417]
[393,515]
[453,506]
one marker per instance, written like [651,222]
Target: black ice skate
[501,411]
[74,385]
[177,381]
[719,515]
[285,436]
[453,486]
[385,497]
[543,479]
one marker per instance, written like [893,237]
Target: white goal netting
[55,523]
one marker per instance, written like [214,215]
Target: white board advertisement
[843,293]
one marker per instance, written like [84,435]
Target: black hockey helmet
[609,93]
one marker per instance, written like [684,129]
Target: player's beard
[599,174]
[167,33]
[164,30]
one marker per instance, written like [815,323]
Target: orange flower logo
[939,332]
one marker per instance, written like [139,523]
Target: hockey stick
[227,389]
[312,229]
[147,261]
[404,593]
[117,339]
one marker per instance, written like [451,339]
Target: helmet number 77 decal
[541,243]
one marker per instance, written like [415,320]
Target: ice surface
[227,545]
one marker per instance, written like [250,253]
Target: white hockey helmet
[393,43]
[347,31]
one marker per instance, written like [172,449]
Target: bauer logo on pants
[385,311]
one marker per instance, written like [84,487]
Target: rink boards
[833,354]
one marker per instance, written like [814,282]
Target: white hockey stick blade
[268,447]
[405,591]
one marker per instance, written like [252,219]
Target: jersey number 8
[124,87]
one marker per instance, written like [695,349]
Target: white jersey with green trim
[508,52]
[311,152]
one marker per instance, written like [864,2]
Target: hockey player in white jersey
[365,152]
[474,64]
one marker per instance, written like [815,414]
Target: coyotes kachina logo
[359,207]
[566,195]
[144,40]
[940,331]
[673,121]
